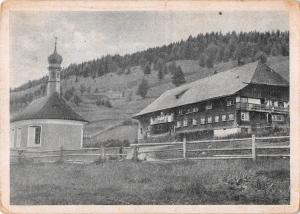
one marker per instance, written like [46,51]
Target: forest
[208,49]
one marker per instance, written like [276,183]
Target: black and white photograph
[149,107]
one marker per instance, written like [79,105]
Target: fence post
[184,148]
[253,148]
[20,156]
[103,153]
[135,153]
[61,154]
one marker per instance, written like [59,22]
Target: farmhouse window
[244,100]
[185,122]
[277,117]
[189,110]
[280,104]
[254,101]
[34,136]
[230,117]
[178,124]
[208,106]
[194,122]
[217,118]
[202,120]
[230,102]
[224,117]
[209,119]
[245,116]
[195,109]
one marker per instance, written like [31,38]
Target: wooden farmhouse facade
[246,99]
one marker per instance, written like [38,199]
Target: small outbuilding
[48,122]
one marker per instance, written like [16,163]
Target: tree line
[207,48]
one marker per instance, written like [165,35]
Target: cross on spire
[55,43]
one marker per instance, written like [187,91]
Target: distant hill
[111,120]
[113,80]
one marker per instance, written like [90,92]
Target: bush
[82,88]
[69,93]
[103,101]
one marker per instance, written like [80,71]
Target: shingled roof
[49,107]
[219,85]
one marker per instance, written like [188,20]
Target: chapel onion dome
[55,58]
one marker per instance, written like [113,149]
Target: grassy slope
[203,182]
[103,117]
[192,72]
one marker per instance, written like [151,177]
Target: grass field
[201,182]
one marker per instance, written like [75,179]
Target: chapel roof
[48,107]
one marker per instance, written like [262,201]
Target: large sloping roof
[219,85]
[49,107]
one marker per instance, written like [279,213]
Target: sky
[85,36]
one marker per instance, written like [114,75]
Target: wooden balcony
[261,108]
[162,119]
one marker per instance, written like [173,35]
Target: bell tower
[54,68]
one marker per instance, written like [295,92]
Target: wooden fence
[69,155]
[243,148]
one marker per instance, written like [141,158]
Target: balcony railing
[261,108]
[162,119]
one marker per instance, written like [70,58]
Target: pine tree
[202,60]
[209,62]
[274,50]
[143,88]
[172,67]
[147,69]
[178,77]
[165,69]
[160,74]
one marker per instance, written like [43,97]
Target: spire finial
[55,37]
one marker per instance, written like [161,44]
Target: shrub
[103,101]
[82,88]
[69,93]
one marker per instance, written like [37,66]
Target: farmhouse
[246,99]
[48,122]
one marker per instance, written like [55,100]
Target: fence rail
[62,154]
[242,148]
[255,147]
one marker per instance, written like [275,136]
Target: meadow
[265,181]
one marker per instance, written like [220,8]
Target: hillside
[105,122]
